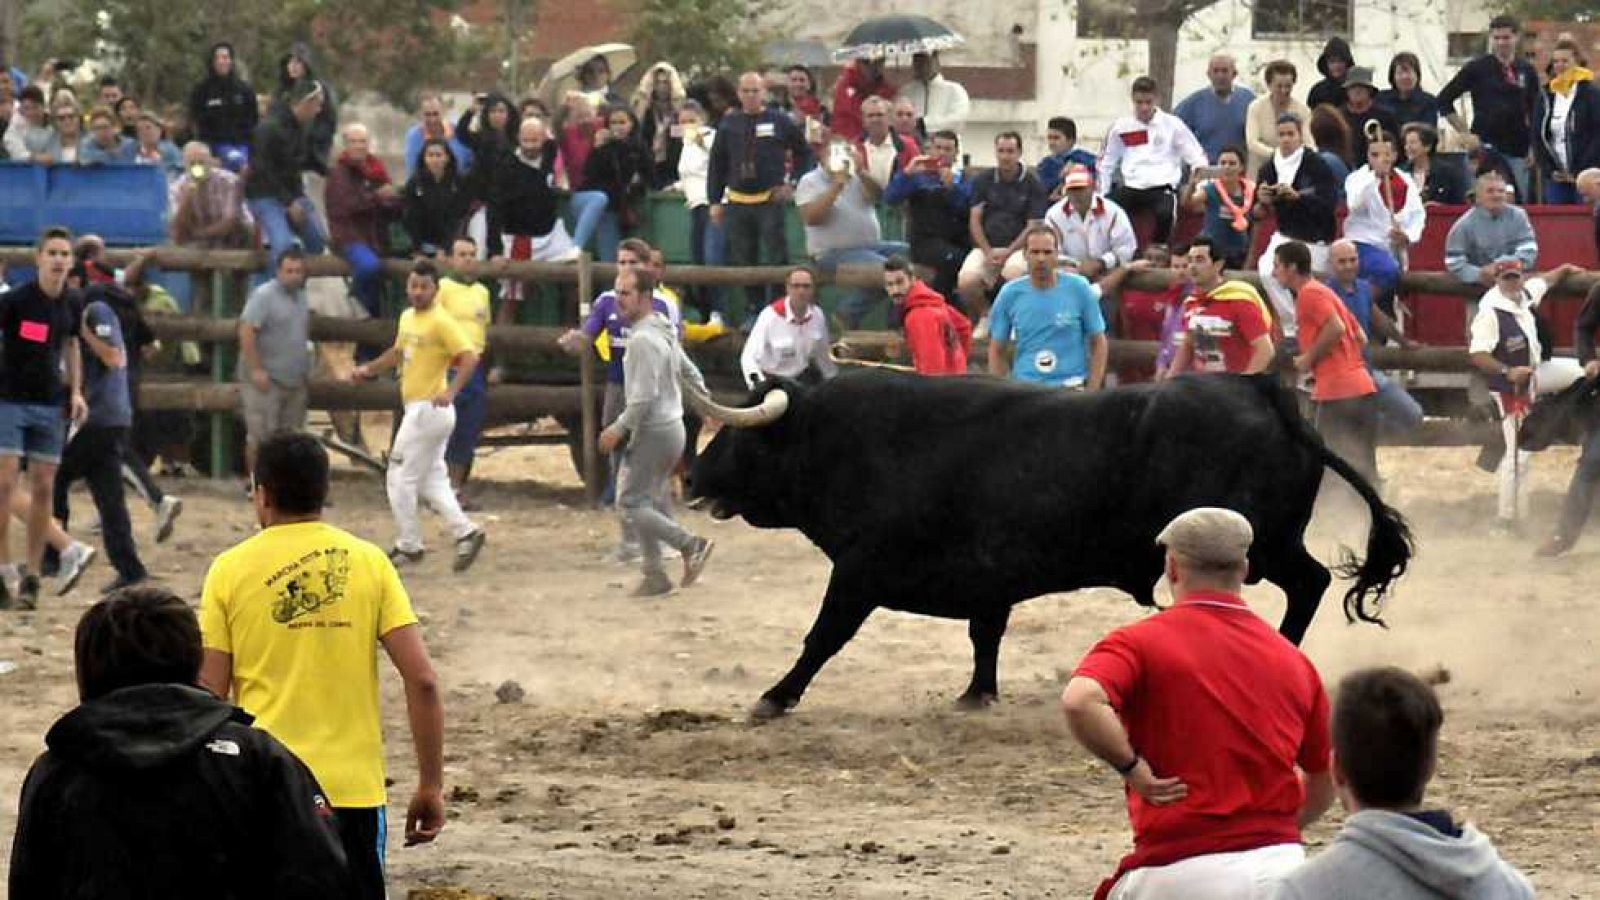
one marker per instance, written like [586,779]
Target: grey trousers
[642,488]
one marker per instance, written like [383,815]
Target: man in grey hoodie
[1385,749]
[652,426]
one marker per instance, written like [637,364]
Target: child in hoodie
[1385,749]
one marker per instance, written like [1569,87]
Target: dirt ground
[628,769]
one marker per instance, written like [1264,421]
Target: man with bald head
[1216,113]
[361,200]
[748,182]
[208,208]
[522,200]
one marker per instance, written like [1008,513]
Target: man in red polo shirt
[1345,395]
[1206,712]
[1225,325]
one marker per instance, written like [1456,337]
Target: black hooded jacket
[282,152]
[436,209]
[326,124]
[222,109]
[164,791]
[1330,90]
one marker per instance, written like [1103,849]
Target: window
[1462,46]
[1108,19]
[1300,18]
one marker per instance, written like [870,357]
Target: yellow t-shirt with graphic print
[427,340]
[469,304]
[301,609]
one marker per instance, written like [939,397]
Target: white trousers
[1241,875]
[1513,469]
[417,471]
[1281,298]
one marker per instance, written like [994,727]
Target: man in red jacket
[937,334]
[859,80]
[361,199]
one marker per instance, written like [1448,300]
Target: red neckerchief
[372,170]
[1239,212]
[781,307]
[1392,191]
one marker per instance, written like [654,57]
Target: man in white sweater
[1149,150]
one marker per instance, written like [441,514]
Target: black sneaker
[695,557]
[467,550]
[654,585]
[405,559]
[120,582]
[28,592]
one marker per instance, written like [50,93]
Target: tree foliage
[159,50]
[700,37]
[1555,10]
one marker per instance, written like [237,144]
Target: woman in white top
[1569,123]
[1261,117]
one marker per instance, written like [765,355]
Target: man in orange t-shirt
[1331,340]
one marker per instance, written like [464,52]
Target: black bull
[960,497]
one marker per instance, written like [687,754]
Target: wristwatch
[1132,764]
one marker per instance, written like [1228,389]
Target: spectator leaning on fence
[105,143]
[275,189]
[837,208]
[746,179]
[938,336]
[1148,150]
[1493,229]
[274,367]
[1505,95]
[1216,113]
[361,203]
[1048,328]
[66,144]
[1385,751]
[209,209]
[1005,202]
[222,109]
[1093,233]
[151,147]
[790,337]
[146,745]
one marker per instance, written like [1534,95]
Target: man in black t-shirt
[41,382]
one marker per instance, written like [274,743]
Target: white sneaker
[74,560]
[166,515]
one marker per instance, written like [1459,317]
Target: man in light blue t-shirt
[1047,327]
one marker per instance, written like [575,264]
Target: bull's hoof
[973,701]
[767,709]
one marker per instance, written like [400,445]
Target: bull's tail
[1389,542]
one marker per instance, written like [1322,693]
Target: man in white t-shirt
[1096,235]
[838,209]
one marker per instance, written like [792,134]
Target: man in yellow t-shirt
[428,343]
[291,620]
[467,300]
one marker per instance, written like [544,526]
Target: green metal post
[221,372]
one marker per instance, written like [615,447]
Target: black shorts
[364,831]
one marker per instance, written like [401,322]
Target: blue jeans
[707,247]
[591,219]
[1382,271]
[472,407]
[1564,192]
[272,216]
[1398,411]
[856,303]
[1519,171]
[366,276]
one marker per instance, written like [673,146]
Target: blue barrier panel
[22,202]
[125,204]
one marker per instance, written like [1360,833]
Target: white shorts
[556,246]
[977,266]
[1240,875]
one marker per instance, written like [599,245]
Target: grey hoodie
[1381,855]
[650,373]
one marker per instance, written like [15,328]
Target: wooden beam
[505,400]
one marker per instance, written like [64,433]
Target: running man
[429,342]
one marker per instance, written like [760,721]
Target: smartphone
[839,156]
[813,130]
[1206,173]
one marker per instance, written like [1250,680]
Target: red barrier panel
[1566,234]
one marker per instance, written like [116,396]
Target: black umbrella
[896,36]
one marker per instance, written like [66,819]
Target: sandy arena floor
[628,769]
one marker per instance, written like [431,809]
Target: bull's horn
[771,407]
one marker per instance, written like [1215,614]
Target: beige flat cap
[1209,535]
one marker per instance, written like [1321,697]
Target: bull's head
[742,472]
[1564,416]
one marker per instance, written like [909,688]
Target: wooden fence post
[593,477]
[222,283]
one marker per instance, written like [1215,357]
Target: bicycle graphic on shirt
[311,589]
